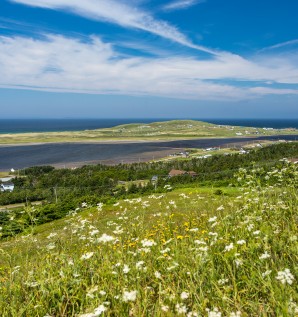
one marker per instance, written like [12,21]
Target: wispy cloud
[120,13]
[279,45]
[58,63]
[181,4]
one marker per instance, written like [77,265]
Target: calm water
[52,125]
[77,154]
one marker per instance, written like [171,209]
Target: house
[242,151]
[7,186]
[173,173]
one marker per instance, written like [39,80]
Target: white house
[7,187]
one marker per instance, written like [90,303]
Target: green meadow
[187,252]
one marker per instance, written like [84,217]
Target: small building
[7,186]
[173,173]
[192,173]
[154,179]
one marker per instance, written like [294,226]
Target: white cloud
[181,4]
[57,63]
[279,45]
[118,12]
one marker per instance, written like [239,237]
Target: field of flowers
[183,253]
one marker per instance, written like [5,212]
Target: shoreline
[132,141]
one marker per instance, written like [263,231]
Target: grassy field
[4,174]
[170,130]
[184,253]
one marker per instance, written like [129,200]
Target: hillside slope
[184,253]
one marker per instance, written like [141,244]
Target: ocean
[56,125]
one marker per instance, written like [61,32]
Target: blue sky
[149,58]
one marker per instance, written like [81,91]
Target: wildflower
[94,232]
[250,226]
[118,230]
[229,247]
[241,242]
[139,265]
[257,232]
[145,250]
[285,277]
[184,295]
[102,293]
[220,208]
[148,243]
[264,256]
[32,284]
[126,269]
[181,309]
[105,238]
[165,308]
[222,281]
[16,269]
[91,291]
[293,307]
[213,219]
[87,256]
[99,206]
[129,296]
[213,234]
[51,235]
[157,275]
[200,242]
[214,313]
[238,262]
[236,314]
[192,314]
[174,266]
[51,246]
[266,273]
[166,250]
[99,310]
[168,241]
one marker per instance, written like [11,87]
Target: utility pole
[55,192]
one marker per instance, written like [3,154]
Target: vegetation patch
[183,253]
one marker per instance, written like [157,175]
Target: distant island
[163,131]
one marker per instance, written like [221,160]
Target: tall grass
[176,254]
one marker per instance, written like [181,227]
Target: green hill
[169,130]
[184,253]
